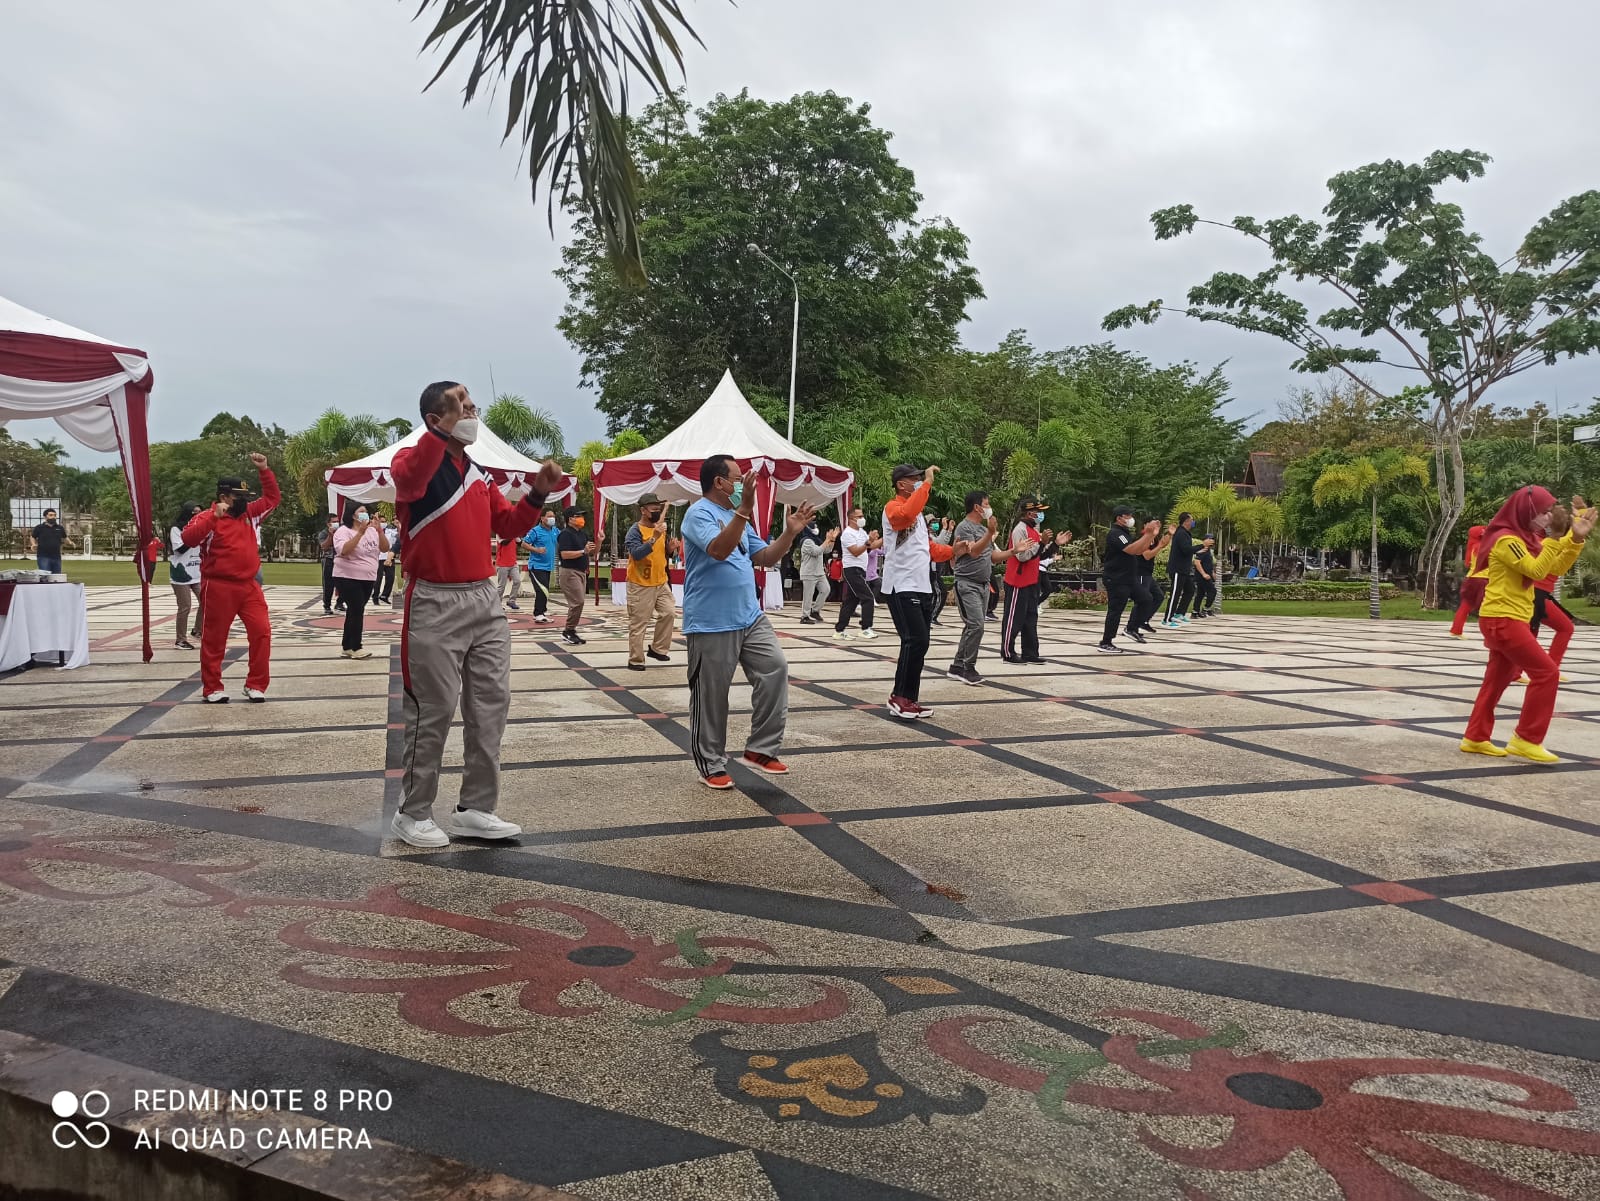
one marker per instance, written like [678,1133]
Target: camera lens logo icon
[68,1105]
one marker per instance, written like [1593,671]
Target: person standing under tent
[649,587]
[183,568]
[48,537]
[455,642]
[228,536]
[724,625]
[1530,538]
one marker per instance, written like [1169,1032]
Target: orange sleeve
[902,512]
[939,552]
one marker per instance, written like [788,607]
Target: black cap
[1122,511]
[234,484]
[574,511]
[903,472]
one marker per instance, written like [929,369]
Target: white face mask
[859,523]
[361,515]
[466,431]
[987,512]
[549,523]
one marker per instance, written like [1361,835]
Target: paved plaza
[1230,919]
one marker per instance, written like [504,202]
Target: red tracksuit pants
[1513,650]
[1547,610]
[222,601]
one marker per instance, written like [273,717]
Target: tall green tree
[812,182]
[333,438]
[1367,478]
[564,67]
[1416,293]
[532,431]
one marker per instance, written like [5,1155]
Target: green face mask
[738,494]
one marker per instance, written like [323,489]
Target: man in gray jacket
[815,547]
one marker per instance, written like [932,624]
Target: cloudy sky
[262,197]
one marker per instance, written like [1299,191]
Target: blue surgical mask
[738,495]
[362,515]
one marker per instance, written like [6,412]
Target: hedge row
[1095,599]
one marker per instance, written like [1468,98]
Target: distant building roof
[1262,477]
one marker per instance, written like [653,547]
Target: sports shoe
[347,654]
[1035,661]
[475,823]
[1532,751]
[1136,636]
[965,675]
[1171,624]
[1453,634]
[973,677]
[1559,679]
[719,780]
[513,605]
[418,833]
[1184,618]
[254,695]
[651,653]
[903,709]
[1148,628]
[922,710]
[1481,748]
[990,617]
[542,620]
[841,636]
[183,644]
[1110,648]
[770,764]
[361,652]
[806,620]
[636,667]
[869,633]
[216,698]
[570,638]
[327,612]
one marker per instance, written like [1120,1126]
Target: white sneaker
[418,833]
[363,653]
[841,635]
[255,695]
[475,823]
[869,633]
[347,654]
[216,698]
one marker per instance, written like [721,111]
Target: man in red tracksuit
[230,559]
[455,645]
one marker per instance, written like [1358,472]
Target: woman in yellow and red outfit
[1473,584]
[1516,553]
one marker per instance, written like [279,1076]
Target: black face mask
[238,506]
[50,521]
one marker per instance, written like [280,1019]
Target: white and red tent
[98,391]
[725,425]
[370,479]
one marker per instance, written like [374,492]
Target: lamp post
[794,344]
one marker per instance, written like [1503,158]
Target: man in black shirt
[1180,571]
[1146,592]
[325,544]
[48,538]
[1205,588]
[573,548]
[1124,553]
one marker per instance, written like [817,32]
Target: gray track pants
[712,658]
[813,591]
[972,596]
[455,646]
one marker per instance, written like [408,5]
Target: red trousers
[222,601]
[1547,610]
[1513,650]
[1472,589]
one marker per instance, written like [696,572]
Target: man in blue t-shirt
[541,544]
[723,623]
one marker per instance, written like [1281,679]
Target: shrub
[1307,592]
[1077,598]
[1338,574]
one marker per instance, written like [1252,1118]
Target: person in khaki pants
[649,589]
[573,548]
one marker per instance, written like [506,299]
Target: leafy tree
[567,92]
[1367,478]
[331,439]
[1227,516]
[1413,279]
[1038,461]
[812,182]
[590,453]
[533,432]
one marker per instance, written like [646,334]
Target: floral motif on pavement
[1274,1106]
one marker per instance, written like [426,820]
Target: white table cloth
[45,621]
[771,594]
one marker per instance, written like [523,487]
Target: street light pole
[794,343]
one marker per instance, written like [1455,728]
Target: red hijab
[1474,540]
[1516,517]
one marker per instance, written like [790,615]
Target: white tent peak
[369,479]
[725,424]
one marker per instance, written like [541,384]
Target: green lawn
[107,571]
[1406,607]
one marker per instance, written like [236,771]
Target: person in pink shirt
[358,544]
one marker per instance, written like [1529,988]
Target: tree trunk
[1452,502]
[1372,574]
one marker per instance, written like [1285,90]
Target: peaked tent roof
[725,424]
[96,390]
[369,479]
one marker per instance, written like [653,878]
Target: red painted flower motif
[26,846]
[543,962]
[1279,1106]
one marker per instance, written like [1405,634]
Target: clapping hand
[799,518]
[1064,537]
[747,498]
[550,477]
[962,549]
[1583,520]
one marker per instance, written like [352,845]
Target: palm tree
[331,439]
[569,63]
[1036,463]
[51,447]
[1214,506]
[871,455]
[533,432]
[1366,479]
[590,453]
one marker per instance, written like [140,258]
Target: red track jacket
[447,509]
[228,549]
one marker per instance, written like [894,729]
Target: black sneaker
[1037,662]
[570,638]
[965,675]
[806,621]
[1137,637]
[1110,648]
[636,667]
[652,653]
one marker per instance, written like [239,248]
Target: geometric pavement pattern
[1229,918]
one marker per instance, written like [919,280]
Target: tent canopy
[370,479]
[724,424]
[97,391]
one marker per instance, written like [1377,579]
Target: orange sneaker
[770,764]
[718,780]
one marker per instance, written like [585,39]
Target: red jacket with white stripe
[228,547]
[447,508]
